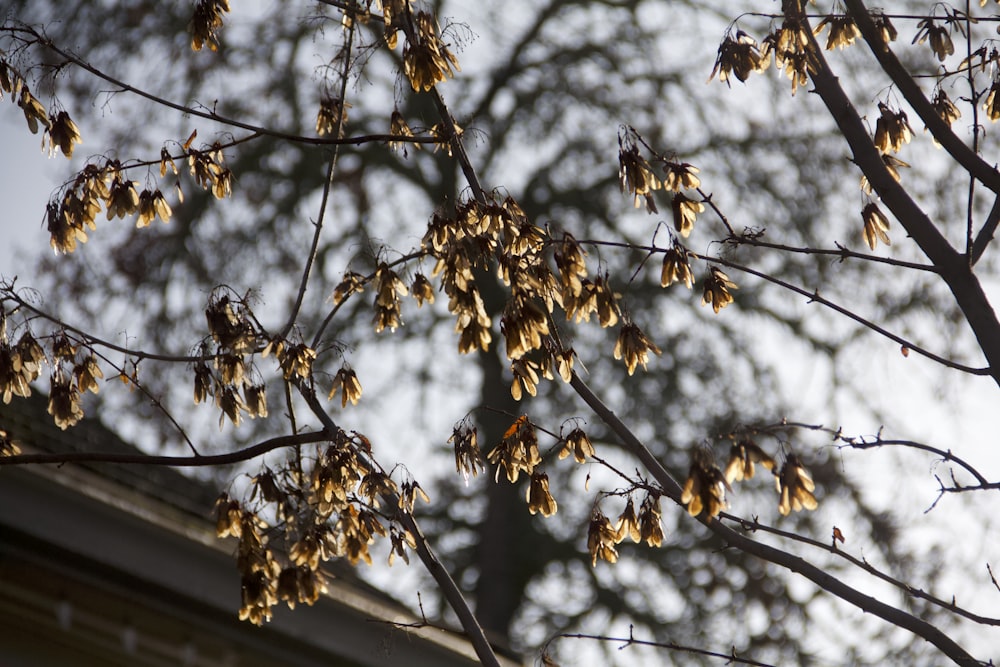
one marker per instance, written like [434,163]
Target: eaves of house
[109,565]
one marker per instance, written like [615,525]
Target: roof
[109,564]
[27,420]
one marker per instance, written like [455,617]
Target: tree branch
[841,252]
[795,564]
[327,186]
[941,131]
[755,525]
[211,115]
[859,442]
[985,234]
[449,589]
[245,454]
[731,658]
[953,266]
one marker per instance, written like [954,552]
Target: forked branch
[953,266]
[733,539]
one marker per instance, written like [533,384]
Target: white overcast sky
[960,414]
[908,387]
[27,177]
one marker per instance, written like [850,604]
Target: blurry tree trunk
[503,534]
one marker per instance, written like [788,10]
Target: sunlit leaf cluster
[73,364]
[60,129]
[506,274]
[331,502]
[646,526]
[206,23]
[107,187]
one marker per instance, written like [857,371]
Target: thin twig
[245,454]
[136,355]
[858,442]
[625,642]
[817,575]
[755,525]
[327,186]
[212,115]
[841,252]
[813,296]
[157,403]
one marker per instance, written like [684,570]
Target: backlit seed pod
[843,31]
[685,211]
[468,459]
[743,457]
[876,225]
[705,487]
[892,129]
[738,56]
[628,524]
[601,539]
[633,347]
[795,487]
[539,498]
[676,268]
[717,290]
[63,134]
[577,444]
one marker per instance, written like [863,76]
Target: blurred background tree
[545,94]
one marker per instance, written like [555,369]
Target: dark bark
[954,267]
[505,534]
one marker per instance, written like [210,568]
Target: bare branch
[859,442]
[755,525]
[842,252]
[953,266]
[962,154]
[245,454]
[796,564]
[730,658]
[327,185]
[985,234]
